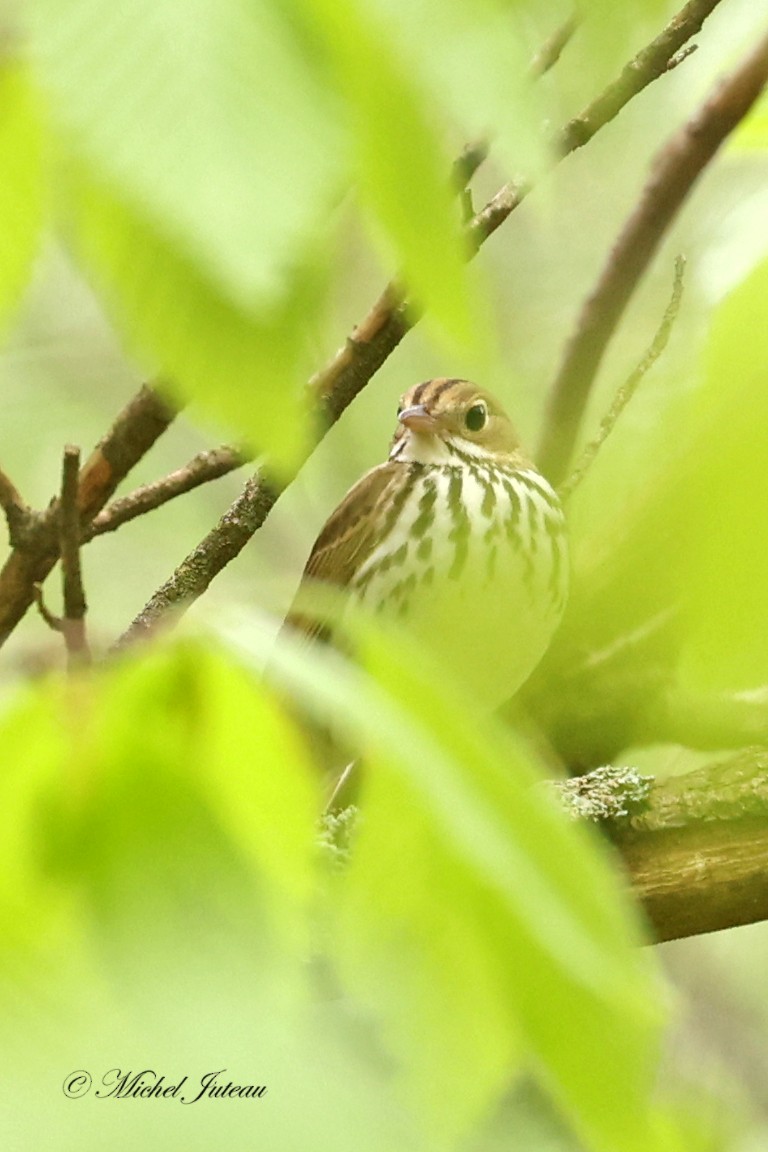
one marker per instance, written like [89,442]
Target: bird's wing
[346,538]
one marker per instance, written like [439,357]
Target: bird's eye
[476,417]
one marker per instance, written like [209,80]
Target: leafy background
[218,191]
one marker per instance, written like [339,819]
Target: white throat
[417,448]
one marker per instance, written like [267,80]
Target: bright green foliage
[243,366]
[22,189]
[163,898]
[727,611]
[204,155]
[205,119]
[402,170]
[157,848]
[477,926]
[142,770]
[474,60]
[494,924]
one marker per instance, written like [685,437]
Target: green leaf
[32,744]
[22,196]
[473,59]
[403,172]
[475,923]
[204,118]
[246,368]
[157,843]
[726,562]
[201,156]
[501,875]
[178,755]
[162,793]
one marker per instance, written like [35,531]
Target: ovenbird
[458,535]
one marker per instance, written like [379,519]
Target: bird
[457,535]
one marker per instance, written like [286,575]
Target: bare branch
[374,339]
[648,65]
[73,623]
[629,387]
[202,468]
[676,169]
[145,417]
[137,427]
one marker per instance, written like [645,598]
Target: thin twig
[678,57]
[137,427]
[336,385]
[467,163]
[552,49]
[75,606]
[202,468]
[674,173]
[648,65]
[55,623]
[629,387]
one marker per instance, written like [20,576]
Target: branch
[696,845]
[73,623]
[698,855]
[201,469]
[145,417]
[660,56]
[651,62]
[336,385]
[676,169]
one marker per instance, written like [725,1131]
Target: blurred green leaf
[245,368]
[22,188]
[205,119]
[158,849]
[32,744]
[153,792]
[403,171]
[473,59]
[541,942]
[176,757]
[726,558]
[474,917]
[203,155]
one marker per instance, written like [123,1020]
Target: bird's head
[448,421]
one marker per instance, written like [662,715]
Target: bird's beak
[417,419]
